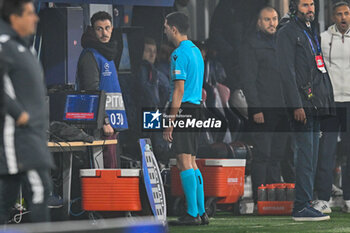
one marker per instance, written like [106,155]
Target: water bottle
[271,193]
[281,192]
[262,195]
[290,192]
[337,176]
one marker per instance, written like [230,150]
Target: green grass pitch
[225,222]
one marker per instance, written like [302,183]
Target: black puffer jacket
[25,147]
[232,20]
[260,78]
[298,68]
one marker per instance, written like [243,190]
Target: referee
[187,70]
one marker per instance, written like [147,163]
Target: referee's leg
[189,182]
[200,187]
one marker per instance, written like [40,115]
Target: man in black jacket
[262,86]
[25,156]
[230,21]
[97,71]
[309,94]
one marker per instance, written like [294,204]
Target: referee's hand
[168,134]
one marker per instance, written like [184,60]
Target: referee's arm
[179,86]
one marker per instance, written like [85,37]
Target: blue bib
[110,84]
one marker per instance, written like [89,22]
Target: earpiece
[293,7]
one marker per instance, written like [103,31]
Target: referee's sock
[189,185]
[200,192]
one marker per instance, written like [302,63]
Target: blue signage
[153,181]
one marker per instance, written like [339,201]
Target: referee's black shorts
[185,140]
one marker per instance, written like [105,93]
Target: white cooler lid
[124,172]
[225,162]
[219,162]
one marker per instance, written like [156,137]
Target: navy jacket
[25,148]
[260,78]
[298,69]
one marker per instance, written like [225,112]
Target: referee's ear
[175,30]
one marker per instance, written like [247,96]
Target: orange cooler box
[110,189]
[275,207]
[223,178]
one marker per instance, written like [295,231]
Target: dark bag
[65,132]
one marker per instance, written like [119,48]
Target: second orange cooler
[223,179]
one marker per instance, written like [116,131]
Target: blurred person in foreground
[26,159]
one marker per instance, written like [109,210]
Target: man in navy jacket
[309,95]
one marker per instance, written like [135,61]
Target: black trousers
[36,187]
[327,153]
[287,164]
[269,142]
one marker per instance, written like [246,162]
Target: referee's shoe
[204,219]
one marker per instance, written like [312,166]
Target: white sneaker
[322,206]
[346,207]
[336,191]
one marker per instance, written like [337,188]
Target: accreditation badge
[320,64]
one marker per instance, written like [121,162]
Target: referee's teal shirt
[187,64]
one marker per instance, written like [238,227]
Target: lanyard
[312,45]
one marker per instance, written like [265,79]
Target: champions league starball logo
[106,72]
